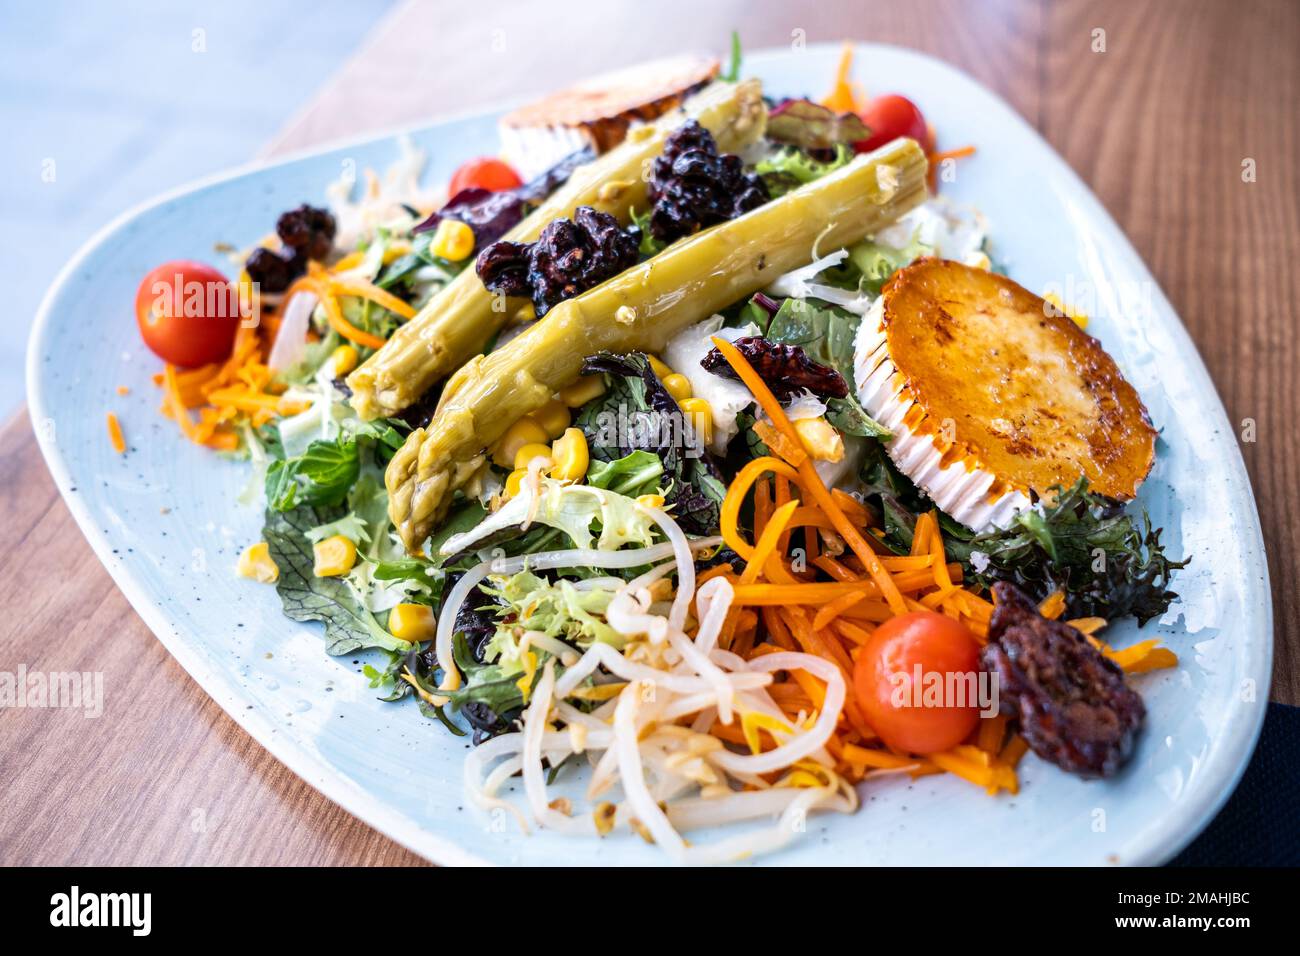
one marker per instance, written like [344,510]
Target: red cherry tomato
[889,117]
[894,704]
[484,173]
[188,313]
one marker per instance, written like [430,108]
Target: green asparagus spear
[640,310]
[460,320]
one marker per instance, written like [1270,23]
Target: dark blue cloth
[1260,824]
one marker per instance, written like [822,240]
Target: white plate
[164,521]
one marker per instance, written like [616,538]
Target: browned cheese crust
[605,106]
[1032,397]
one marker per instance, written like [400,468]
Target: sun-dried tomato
[785,369]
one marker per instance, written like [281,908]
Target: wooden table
[1159,125]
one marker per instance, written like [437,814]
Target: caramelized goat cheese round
[995,397]
[598,112]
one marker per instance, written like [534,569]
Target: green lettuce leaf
[349,626]
[322,476]
[636,473]
[790,168]
[572,509]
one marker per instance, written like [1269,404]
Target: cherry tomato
[484,173]
[889,117]
[885,681]
[188,313]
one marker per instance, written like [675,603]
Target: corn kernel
[334,557]
[569,452]
[661,368]
[678,386]
[395,250]
[650,501]
[345,359]
[554,417]
[820,439]
[700,414]
[1076,316]
[452,241]
[256,563]
[515,481]
[523,432]
[412,622]
[583,390]
[530,451]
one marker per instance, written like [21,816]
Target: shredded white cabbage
[726,397]
[380,203]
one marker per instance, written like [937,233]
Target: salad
[697,449]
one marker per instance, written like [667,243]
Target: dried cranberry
[568,258]
[693,186]
[786,369]
[273,271]
[308,229]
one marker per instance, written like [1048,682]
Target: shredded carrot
[1013,751]
[845,96]
[990,734]
[350,261]
[364,290]
[822,592]
[776,629]
[175,405]
[767,542]
[1053,605]
[853,508]
[115,434]
[877,758]
[832,567]
[960,153]
[123,390]
[782,495]
[935,158]
[854,632]
[762,506]
[812,482]
[811,541]
[341,325]
[1141,657]
[1087,625]
[832,609]
[780,444]
[740,485]
[241,388]
[971,763]
[720,570]
[833,619]
[743,632]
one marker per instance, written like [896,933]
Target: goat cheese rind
[960,488]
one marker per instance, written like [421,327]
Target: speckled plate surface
[165,522]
